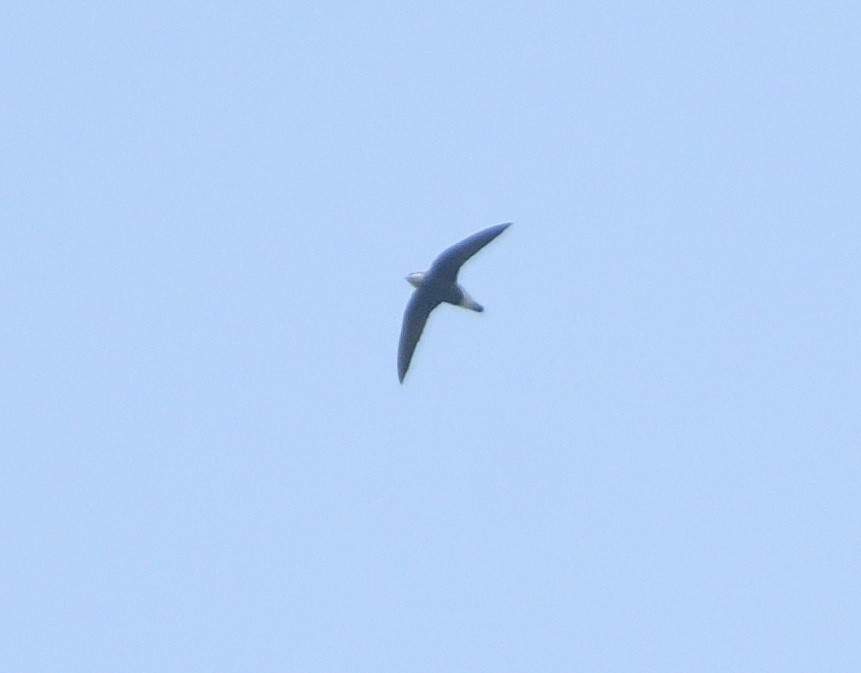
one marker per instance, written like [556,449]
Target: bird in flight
[437,285]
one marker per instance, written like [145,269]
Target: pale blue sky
[643,456]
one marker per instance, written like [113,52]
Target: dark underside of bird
[439,285]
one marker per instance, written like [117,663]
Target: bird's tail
[470,303]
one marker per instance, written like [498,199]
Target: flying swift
[437,285]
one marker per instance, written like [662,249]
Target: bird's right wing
[451,259]
[415,317]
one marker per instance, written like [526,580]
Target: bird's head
[416,279]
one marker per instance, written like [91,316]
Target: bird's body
[437,285]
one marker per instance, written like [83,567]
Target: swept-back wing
[446,266]
[415,317]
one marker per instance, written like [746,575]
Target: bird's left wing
[451,259]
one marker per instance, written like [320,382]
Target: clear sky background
[643,456]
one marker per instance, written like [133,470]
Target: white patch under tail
[469,302]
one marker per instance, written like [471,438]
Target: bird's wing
[446,266]
[415,317]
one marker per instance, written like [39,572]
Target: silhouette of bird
[437,285]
